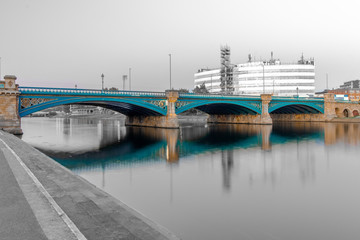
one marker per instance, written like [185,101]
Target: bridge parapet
[88,92]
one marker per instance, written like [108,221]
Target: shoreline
[95,213]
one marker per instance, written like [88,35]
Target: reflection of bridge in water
[146,145]
[136,146]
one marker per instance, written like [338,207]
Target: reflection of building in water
[67,127]
[346,132]
[227,163]
[281,162]
[110,131]
[83,110]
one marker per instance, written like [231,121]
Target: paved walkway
[40,199]
[17,220]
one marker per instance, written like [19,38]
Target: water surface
[287,181]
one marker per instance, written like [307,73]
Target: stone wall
[152,121]
[350,107]
[9,104]
[298,117]
[245,119]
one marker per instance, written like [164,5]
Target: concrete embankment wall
[346,120]
[298,117]
[95,214]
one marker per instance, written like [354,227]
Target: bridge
[160,109]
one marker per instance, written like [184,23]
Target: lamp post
[273,86]
[297,92]
[170,69]
[102,85]
[130,79]
[124,80]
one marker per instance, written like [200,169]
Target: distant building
[256,77]
[350,94]
[351,84]
[84,110]
[80,110]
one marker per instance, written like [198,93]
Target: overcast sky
[63,43]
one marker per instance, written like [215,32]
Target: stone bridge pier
[168,121]
[9,103]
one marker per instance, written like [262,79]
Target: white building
[255,78]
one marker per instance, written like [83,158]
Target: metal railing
[114,93]
[296,97]
[88,92]
[212,95]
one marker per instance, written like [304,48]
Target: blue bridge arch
[222,107]
[296,107]
[125,106]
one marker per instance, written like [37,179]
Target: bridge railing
[212,95]
[297,98]
[87,92]
[186,95]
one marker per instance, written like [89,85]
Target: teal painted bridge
[160,109]
[142,103]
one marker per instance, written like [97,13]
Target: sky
[72,42]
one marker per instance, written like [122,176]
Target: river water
[290,181]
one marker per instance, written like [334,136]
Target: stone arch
[356,113]
[338,112]
[346,113]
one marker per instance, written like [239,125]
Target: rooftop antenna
[272,56]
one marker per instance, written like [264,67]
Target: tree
[183,90]
[111,89]
[202,89]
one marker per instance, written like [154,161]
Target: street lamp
[273,85]
[124,80]
[102,78]
[130,79]
[297,91]
[170,69]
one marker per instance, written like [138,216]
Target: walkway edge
[52,202]
[127,217]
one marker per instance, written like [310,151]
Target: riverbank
[346,120]
[43,200]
